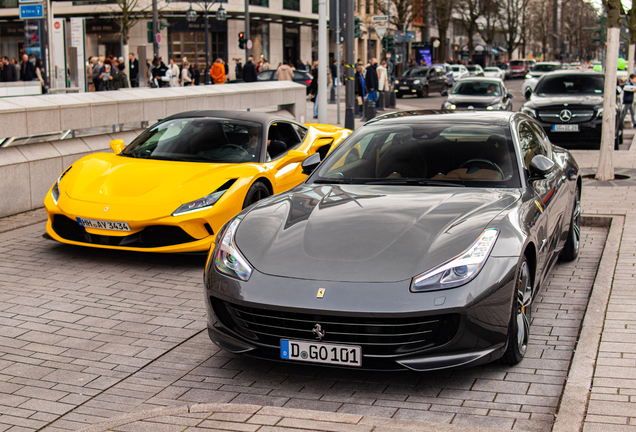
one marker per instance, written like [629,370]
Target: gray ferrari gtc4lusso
[419,243]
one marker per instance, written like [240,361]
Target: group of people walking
[11,71]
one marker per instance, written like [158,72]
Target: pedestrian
[186,79]
[161,74]
[26,69]
[196,75]
[120,80]
[10,73]
[174,71]
[313,88]
[133,70]
[300,65]
[39,77]
[628,98]
[383,77]
[360,86]
[106,76]
[285,72]
[334,72]
[217,72]
[249,71]
[371,80]
[226,67]
[238,69]
[97,69]
[308,66]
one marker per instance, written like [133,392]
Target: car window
[299,76]
[547,145]
[301,131]
[531,144]
[281,137]
[477,88]
[571,83]
[264,76]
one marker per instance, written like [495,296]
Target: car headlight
[55,191]
[599,112]
[446,105]
[532,113]
[202,203]
[417,82]
[397,81]
[528,76]
[459,270]
[228,259]
[495,106]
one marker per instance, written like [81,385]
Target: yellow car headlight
[205,202]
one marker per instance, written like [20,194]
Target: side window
[531,144]
[301,131]
[547,145]
[440,71]
[280,138]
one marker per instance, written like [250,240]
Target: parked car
[300,77]
[475,70]
[418,244]
[176,184]
[420,81]
[520,68]
[459,71]
[450,80]
[506,68]
[538,70]
[479,93]
[569,107]
[494,72]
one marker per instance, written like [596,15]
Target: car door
[283,136]
[431,80]
[441,78]
[544,217]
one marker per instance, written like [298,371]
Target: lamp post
[191,16]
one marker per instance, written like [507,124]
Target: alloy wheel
[524,300]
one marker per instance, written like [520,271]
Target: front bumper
[463,326]
[589,133]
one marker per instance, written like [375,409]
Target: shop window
[291,5]
[8,3]
[262,3]
[314,6]
[368,7]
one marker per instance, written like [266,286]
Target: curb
[287,418]
[574,399]
[21,220]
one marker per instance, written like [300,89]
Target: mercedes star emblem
[319,332]
[565,115]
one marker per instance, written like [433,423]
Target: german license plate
[319,352]
[565,128]
[106,225]
[404,87]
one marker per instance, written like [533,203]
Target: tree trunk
[605,170]
[630,58]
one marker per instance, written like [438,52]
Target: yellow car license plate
[106,225]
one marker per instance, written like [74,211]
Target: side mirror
[310,164]
[540,166]
[444,93]
[509,96]
[528,94]
[292,156]
[117,145]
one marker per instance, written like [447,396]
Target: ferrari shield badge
[321,293]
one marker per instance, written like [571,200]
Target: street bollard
[392,100]
[381,101]
[369,110]
[356,110]
[332,99]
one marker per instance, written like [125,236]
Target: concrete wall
[20,88]
[33,115]
[28,171]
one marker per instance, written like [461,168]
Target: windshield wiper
[132,155]
[416,182]
[332,181]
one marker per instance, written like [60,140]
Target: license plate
[404,87]
[565,128]
[319,352]
[106,225]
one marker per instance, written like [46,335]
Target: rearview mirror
[444,92]
[540,166]
[310,164]
[117,145]
[527,94]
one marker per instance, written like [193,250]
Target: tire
[398,95]
[520,316]
[423,93]
[256,192]
[572,244]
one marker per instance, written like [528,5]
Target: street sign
[158,37]
[381,31]
[249,44]
[30,1]
[31,11]
[380,18]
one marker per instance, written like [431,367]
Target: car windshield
[213,140]
[571,83]
[491,69]
[471,68]
[456,68]
[517,63]
[415,72]
[436,153]
[545,68]
[477,88]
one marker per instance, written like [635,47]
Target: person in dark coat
[27,73]
[238,69]
[249,71]
[371,80]
[334,72]
[9,72]
[133,70]
[196,75]
[628,98]
[360,87]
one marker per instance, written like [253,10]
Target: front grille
[472,104]
[553,116]
[149,237]
[376,336]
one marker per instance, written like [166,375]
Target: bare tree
[129,15]
[512,22]
[630,16]
[578,20]
[541,21]
[402,11]
[470,11]
[491,17]
[442,14]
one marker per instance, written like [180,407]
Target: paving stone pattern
[88,334]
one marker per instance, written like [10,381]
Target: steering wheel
[487,162]
[238,147]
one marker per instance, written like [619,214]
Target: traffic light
[357,31]
[242,40]
[149,27]
[388,44]
[600,34]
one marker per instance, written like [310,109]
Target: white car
[494,72]
[459,72]
[537,71]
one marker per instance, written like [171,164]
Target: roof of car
[478,78]
[500,117]
[256,117]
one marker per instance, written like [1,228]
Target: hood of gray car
[363,233]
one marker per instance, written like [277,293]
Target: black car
[300,77]
[419,243]
[479,93]
[420,81]
[568,105]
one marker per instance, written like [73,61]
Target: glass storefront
[259,33]
[187,40]
[12,39]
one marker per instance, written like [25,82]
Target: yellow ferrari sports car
[176,184]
